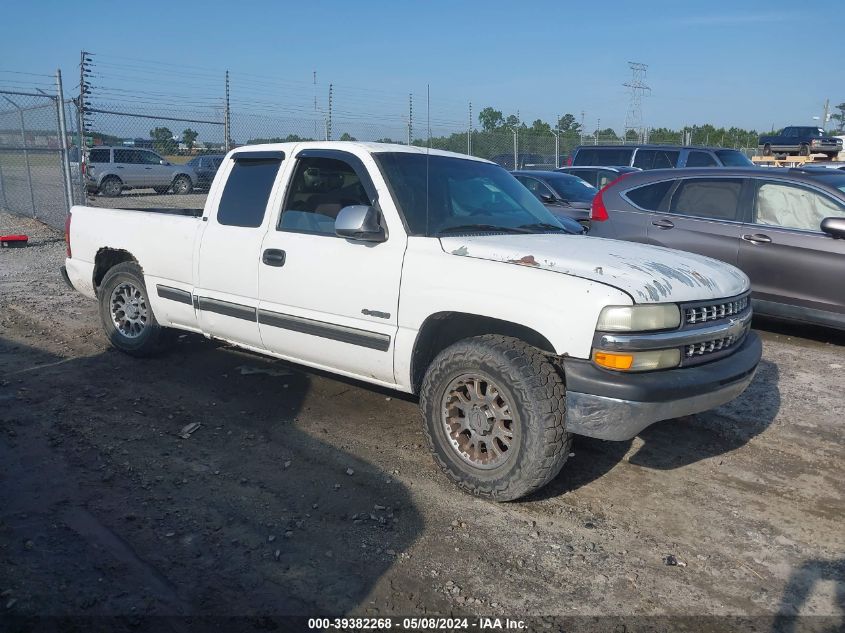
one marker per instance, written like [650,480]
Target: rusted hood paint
[650,274]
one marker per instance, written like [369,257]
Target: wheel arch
[442,329]
[106,259]
[182,173]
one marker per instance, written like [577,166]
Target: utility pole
[582,127]
[314,78]
[516,142]
[81,122]
[226,120]
[329,118]
[636,88]
[596,137]
[826,116]
[410,117]
[556,134]
[469,131]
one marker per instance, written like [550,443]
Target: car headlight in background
[639,318]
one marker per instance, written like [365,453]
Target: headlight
[662,316]
[638,361]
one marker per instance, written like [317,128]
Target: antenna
[427,151]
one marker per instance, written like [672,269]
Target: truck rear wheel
[767,150]
[125,311]
[493,409]
[803,149]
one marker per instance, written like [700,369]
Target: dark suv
[658,156]
[784,228]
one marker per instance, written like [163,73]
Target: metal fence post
[65,155]
[4,203]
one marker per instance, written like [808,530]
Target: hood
[650,274]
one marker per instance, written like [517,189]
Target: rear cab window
[247,189]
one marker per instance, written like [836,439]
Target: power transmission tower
[636,88]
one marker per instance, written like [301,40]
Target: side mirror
[835,227]
[547,198]
[359,222]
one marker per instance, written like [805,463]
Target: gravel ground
[301,493]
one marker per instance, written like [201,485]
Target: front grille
[715,311]
[709,347]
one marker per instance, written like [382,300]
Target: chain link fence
[33,180]
[131,145]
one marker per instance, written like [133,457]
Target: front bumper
[613,405]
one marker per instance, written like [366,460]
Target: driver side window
[320,188]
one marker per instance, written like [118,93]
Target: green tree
[490,119]
[189,137]
[163,140]
[347,137]
[567,123]
[840,116]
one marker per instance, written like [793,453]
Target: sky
[708,62]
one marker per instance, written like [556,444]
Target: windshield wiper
[463,228]
[544,226]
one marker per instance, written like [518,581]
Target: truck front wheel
[493,409]
[125,311]
[804,150]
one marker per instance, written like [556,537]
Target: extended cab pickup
[802,140]
[435,274]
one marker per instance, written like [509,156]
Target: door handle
[147,167]
[664,224]
[273,257]
[757,238]
[118,166]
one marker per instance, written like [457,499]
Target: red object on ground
[12,241]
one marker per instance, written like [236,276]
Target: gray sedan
[784,228]
[564,195]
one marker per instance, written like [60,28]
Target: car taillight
[569,161]
[598,212]
[67,235]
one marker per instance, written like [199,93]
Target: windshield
[461,194]
[572,188]
[733,158]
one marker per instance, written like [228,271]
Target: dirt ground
[301,493]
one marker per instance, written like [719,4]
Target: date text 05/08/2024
[410,624]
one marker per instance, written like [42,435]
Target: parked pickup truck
[800,140]
[435,274]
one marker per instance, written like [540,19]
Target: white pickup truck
[435,274]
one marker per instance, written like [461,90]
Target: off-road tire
[533,387]
[152,338]
[767,150]
[803,149]
[111,186]
[182,185]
